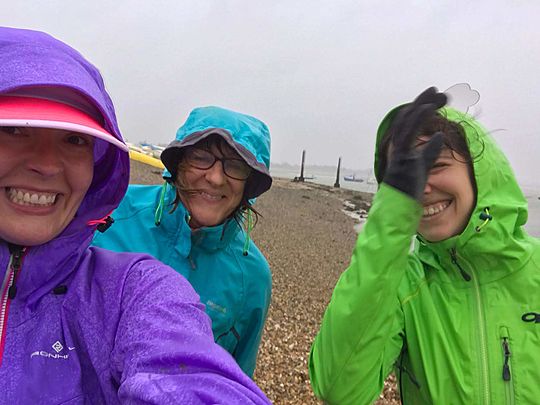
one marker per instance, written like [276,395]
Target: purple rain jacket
[88,325]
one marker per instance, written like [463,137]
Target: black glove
[408,167]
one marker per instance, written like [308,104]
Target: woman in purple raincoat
[80,324]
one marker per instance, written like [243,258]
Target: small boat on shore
[352,177]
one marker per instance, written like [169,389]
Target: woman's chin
[204,221]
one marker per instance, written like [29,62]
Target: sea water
[532,194]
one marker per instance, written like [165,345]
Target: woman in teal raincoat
[203,214]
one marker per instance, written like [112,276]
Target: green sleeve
[360,336]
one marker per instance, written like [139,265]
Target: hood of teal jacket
[247,135]
[498,243]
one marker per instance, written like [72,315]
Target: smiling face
[450,191]
[209,195]
[448,198]
[44,176]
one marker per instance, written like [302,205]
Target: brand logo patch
[531,317]
[57,347]
[216,307]
[42,353]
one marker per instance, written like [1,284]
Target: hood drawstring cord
[249,227]
[484,216]
[103,223]
[159,210]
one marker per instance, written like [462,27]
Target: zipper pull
[12,292]
[466,276]
[506,368]
[17,254]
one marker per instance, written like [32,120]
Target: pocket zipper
[506,368]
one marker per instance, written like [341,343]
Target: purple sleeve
[164,350]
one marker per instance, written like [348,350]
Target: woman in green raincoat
[458,318]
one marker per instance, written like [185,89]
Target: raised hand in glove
[408,166]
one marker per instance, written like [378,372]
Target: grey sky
[320,74]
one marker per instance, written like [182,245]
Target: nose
[215,175]
[427,187]
[45,159]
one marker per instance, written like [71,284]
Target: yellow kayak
[149,160]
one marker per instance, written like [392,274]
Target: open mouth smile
[30,198]
[432,210]
[210,197]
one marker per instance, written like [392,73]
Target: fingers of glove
[426,96]
[432,150]
[431,96]
[407,130]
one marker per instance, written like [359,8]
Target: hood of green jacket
[247,135]
[499,244]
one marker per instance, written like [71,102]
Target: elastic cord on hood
[158,214]
[102,224]
[249,228]
[484,216]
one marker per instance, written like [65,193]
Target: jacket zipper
[482,333]
[507,368]
[466,276]
[8,292]
[480,323]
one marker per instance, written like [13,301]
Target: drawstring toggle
[103,223]
[484,216]
[106,224]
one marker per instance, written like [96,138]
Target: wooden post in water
[336,184]
[301,178]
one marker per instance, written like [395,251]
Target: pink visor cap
[17,111]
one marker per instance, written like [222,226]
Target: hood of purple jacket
[32,59]
[124,328]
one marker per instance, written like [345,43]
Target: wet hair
[454,139]
[245,207]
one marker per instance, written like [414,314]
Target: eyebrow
[446,154]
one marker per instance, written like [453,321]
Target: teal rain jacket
[458,320]
[226,268]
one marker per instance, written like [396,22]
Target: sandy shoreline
[308,239]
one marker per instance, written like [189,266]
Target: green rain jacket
[454,319]
[226,269]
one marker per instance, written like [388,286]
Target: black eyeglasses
[202,159]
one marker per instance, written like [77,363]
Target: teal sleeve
[251,325]
[361,333]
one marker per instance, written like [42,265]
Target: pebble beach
[307,233]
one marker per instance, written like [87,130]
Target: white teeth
[210,197]
[27,198]
[435,209]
